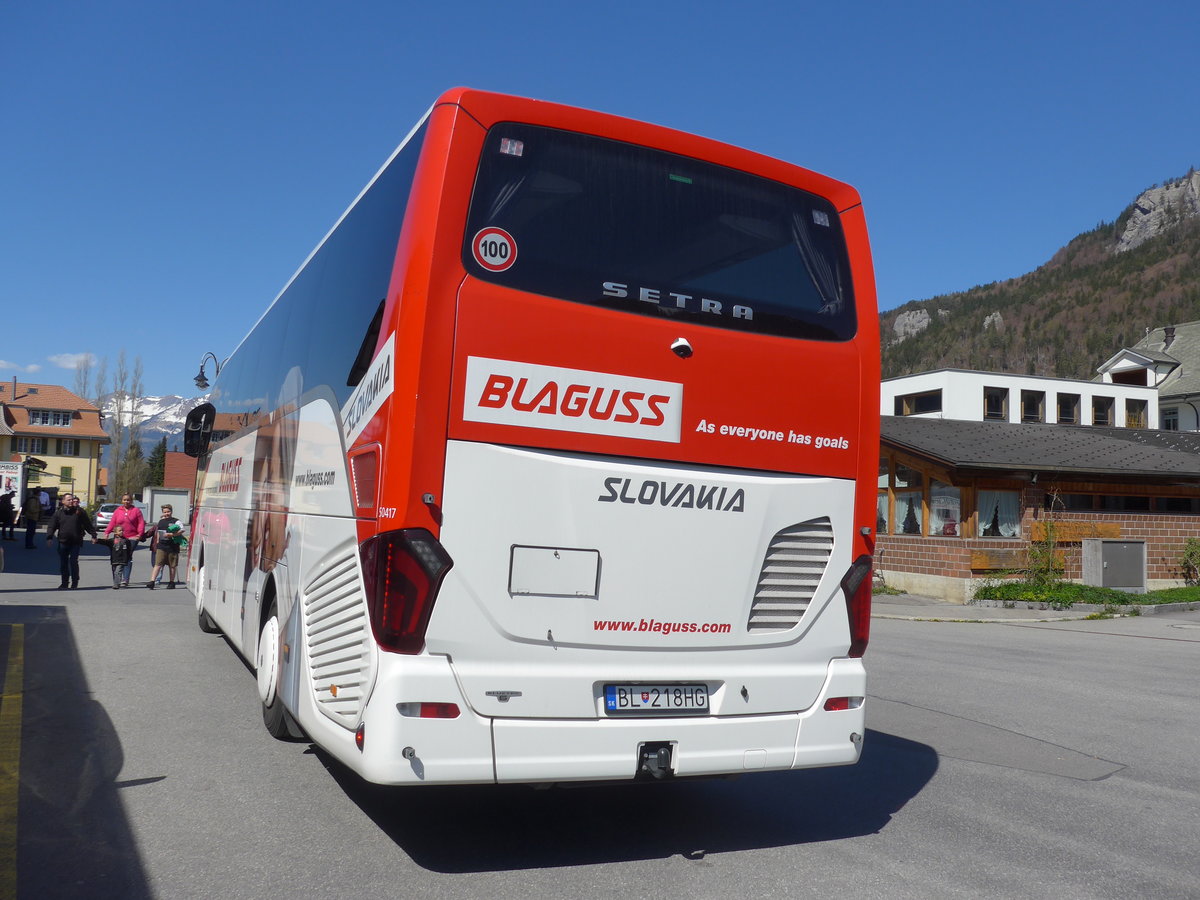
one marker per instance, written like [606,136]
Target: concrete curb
[964,620]
[1146,609]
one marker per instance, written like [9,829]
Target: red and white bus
[556,461]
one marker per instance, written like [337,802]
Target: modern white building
[993,396]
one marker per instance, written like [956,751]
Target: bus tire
[267,667]
[203,619]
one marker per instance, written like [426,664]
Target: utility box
[179,498]
[1116,564]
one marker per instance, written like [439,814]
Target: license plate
[648,699]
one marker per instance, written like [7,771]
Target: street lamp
[201,379]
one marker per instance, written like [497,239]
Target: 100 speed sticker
[494,249]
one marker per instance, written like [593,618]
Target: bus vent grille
[795,561]
[336,631]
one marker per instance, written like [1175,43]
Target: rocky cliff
[1099,293]
[1160,209]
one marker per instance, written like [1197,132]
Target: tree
[156,466]
[83,376]
[131,473]
[127,463]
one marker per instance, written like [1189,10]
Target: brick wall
[951,557]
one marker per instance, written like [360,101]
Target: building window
[1068,409]
[881,500]
[1120,503]
[68,447]
[999,514]
[995,403]
[945,509]
[1069,502]
[919,404]
[59,417]
[908,509]
[1135,413]
[1033,406]
[1131,376]
[67,473]
[1102,410]
[31,445]
[1177,504]
[1170,419]
[908,513]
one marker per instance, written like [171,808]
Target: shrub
[1189,561]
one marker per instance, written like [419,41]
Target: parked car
[104,514]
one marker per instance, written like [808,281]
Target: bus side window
[366,350]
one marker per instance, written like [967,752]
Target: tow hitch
[654,761]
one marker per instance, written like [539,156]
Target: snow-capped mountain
[157,416]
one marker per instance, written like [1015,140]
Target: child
[165,545]
[120,552]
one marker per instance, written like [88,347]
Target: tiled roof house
[54,434]
[1167,359]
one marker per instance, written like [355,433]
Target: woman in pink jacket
[129,517]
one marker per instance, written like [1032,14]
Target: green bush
[1189,561]
[1064,595]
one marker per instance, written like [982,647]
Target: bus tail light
[429,710]
[364,466]
[402,571]
[841,704]
[856,585]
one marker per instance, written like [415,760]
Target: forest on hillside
[1065,318]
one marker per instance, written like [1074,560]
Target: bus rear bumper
[540,750]
[475,749]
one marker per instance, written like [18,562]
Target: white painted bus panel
[675,588]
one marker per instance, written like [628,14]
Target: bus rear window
[602,222]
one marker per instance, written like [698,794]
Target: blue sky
[167,166]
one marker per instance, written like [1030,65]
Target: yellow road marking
[11,697]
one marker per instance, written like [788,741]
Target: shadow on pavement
[509,827]
[73,838]
[38,569]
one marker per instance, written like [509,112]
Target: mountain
[159,417]
[1102,291]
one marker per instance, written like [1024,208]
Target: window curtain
[999,514]
[944,513]
[908,513]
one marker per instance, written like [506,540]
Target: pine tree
[156,465]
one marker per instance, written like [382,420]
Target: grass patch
[1064,595]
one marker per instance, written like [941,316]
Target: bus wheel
[207,625]
[267,663]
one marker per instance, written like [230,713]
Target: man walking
[31,510]
[8,512]
[70,523]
